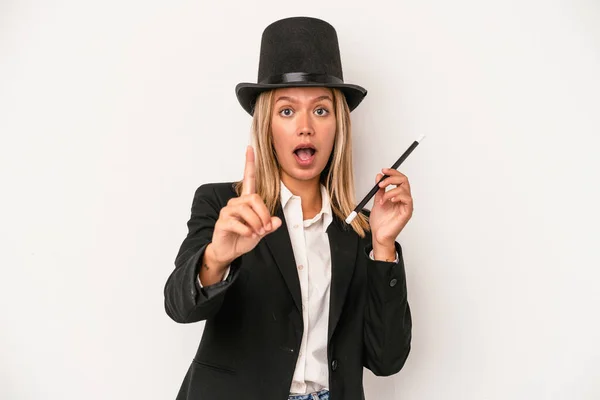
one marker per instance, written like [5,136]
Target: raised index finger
[249,172]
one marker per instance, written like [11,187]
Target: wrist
[211,271]
[212,262]
[384,252]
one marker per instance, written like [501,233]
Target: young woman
[296,301]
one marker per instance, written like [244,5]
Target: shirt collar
[286,195]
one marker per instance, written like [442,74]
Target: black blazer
[254,320]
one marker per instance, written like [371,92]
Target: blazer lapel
[281,247]
[343,242]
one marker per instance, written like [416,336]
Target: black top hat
[299,51]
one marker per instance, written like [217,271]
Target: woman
[295,301]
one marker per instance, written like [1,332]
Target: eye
[323,112]
[283,112]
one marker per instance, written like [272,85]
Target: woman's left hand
[388,219]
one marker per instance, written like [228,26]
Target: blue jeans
[320,395]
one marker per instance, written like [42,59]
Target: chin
[304,174]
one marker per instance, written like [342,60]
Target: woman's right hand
[238,228]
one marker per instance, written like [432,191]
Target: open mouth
[305,156]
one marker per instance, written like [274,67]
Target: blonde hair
[337,176]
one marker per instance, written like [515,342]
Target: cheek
[281,126]
[278,134]
[330,129]
[280,138]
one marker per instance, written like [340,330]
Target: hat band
[300,77]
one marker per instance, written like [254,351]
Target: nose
[305,126]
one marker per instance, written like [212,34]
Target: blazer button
[334,365]
[393,282]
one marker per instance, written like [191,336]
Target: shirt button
[296,226]
[334,365]
[393,282]
[300,266]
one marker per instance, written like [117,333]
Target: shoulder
[216,193]
[219,188]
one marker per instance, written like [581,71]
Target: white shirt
[310,244]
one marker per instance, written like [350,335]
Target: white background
[112,113]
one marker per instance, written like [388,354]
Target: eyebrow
[293,100]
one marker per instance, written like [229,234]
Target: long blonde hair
[337,176]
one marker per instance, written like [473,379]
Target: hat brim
[248,92]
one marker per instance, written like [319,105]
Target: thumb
[275,223]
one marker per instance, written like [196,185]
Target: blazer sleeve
[185,300]
[387,322]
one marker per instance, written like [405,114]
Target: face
[303,117]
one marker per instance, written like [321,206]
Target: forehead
[303,93]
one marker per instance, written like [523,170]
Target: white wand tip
[421,138]
[351,217]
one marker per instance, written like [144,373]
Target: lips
[305,146]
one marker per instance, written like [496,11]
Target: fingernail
[262,231]
[269,226]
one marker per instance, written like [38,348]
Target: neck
[309,192]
